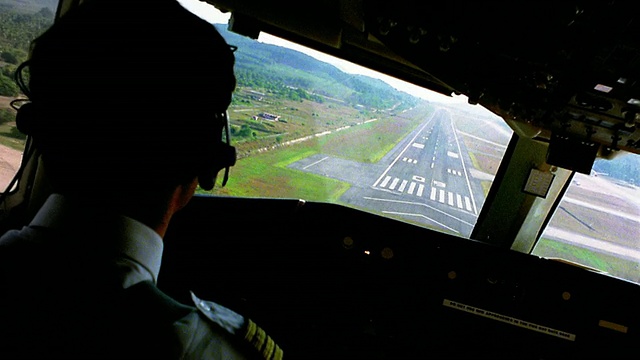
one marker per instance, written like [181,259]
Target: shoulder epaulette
[262,342]
[239,326]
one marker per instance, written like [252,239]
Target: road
[425,178]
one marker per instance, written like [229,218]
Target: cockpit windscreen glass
[312,127]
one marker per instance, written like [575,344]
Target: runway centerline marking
[384,173]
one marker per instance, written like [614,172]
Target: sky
[214,16]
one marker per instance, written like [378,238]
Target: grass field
[615,266]
[266,174]
[9,138]
[8,133]
[297,119]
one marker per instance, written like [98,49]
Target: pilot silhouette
[127,103]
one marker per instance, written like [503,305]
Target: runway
[425,178]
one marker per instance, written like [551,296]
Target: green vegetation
[17,30]
[368,142]
[11,137]
[8,87]
[266,175]
[20,23]
[7,115]
[27,6]
[610,264]
[291,75]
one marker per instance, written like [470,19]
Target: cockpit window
[596,223]
[20,23]
[309,126]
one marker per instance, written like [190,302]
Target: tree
[7,115]
[8,87]
[245,132]
[9,56]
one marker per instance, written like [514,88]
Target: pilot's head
[129,95]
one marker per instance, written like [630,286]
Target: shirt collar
[128,237]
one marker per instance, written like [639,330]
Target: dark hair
[125,94]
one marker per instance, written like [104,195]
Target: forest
[296,76]
[17,29]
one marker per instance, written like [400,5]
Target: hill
[17,28]
[272,68]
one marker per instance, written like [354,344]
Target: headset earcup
[207,179]
[26,119]
[217,157]
[222,158]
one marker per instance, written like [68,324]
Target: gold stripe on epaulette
[259,339]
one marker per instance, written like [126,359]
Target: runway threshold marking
[386,181]
[464,169]
[420,204]
[402,185]
[394,183]
[422,216]
[437,192]
[467,203]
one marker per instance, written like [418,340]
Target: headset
[224,156]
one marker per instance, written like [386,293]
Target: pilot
[127,104]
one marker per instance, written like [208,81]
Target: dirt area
[9,164]
[5,102]
[9,158]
